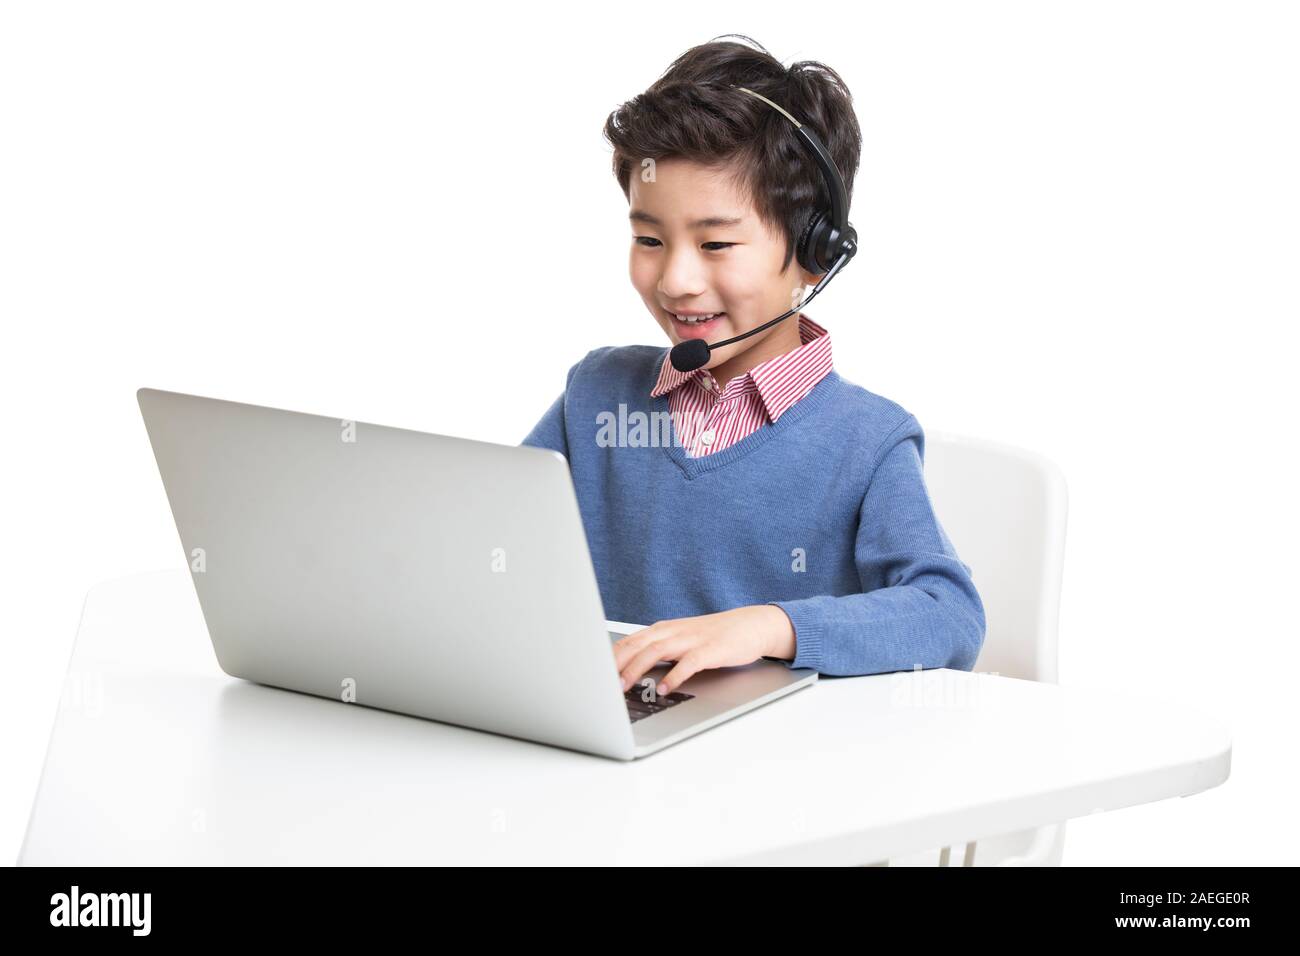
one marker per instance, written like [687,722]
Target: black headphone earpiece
[820,244]
[804,251]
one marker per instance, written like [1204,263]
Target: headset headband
[839,211]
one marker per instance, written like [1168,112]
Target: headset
[826,245]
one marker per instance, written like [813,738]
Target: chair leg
[968,859]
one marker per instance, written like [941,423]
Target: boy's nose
[682,278]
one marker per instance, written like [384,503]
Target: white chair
[1004,509]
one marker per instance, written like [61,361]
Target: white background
[1078,227]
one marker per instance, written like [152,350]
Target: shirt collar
[780,381]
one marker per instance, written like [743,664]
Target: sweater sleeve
[919,605]
[550,430]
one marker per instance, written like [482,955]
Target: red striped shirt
[707,419]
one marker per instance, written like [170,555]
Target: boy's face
[680,264]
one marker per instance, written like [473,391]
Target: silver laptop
[433,576]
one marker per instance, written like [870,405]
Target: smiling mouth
[695,328]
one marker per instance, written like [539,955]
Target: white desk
[157,757]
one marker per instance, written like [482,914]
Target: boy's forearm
[893,628]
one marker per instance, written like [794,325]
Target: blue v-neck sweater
[823,513]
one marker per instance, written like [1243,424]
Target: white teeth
[696,319]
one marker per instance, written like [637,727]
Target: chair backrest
[1004,509]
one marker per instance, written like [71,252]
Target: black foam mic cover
[689,355]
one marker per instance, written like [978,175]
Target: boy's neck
[783,339]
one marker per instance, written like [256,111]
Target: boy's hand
[727,638]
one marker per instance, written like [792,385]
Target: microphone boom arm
[830,274]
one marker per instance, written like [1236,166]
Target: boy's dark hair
[692,113]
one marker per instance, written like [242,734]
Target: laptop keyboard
[638,708]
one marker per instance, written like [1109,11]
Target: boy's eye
[647,240]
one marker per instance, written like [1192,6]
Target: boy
[788,516]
